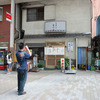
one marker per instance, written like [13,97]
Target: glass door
[1,58]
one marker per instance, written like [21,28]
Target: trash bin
[89,68]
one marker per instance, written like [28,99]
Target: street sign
[8,17]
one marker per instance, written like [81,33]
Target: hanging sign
[8,17]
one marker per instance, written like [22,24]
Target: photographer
[22,56]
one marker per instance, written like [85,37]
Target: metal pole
[12,26]
[76,54]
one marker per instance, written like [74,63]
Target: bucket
[89,68]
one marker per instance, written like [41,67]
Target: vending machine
[3,60]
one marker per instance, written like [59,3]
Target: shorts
[9,66]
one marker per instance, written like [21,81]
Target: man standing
[9,61]
[22,56]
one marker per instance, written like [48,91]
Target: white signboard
[70,46]
[55,26]
[54,50]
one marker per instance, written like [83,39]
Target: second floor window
[1,13]
[35,14]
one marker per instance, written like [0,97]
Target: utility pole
[12,27]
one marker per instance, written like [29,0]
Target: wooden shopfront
[53,52]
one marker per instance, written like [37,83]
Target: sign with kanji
[70,46]
[8,17]
[62,64]
[54,51]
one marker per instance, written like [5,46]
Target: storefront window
[39,51]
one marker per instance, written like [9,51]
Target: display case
[3,61]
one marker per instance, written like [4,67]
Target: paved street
[52,85]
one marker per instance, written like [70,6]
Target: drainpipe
[76,54]
[12,27]
[91,15]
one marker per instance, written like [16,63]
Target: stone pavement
[52,85]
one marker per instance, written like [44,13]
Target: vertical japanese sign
[70,46]
[8,17]
[62,64]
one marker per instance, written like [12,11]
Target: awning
[36,44]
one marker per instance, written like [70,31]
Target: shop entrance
[39,51]
[55,51]
[82,58]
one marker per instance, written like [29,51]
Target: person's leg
[25,77]
[21,82]
[18,78]
[8,66]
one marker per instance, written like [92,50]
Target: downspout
[76,54]
[91,15]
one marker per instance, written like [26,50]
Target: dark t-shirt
[22,59]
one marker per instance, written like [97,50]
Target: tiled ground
[53,85]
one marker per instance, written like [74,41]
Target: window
[35,14]
[39,51]
[1,13]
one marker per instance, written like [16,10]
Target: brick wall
[5,26]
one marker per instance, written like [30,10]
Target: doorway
[82,58]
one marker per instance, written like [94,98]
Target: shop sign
[70,46]
[30,51]
[62,63]
[8,16]
[54,51]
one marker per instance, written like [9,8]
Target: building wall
[5,26]
[81,42]
[95,14]
[76,13]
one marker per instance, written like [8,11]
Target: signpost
[70,49]
[62,65]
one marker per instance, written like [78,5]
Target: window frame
[36,14]
[2,14]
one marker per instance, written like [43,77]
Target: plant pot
[41,68]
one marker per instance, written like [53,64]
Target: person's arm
[9,58]
[28,51]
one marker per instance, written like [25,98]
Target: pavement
[52,85]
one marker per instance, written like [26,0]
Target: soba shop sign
[54,50]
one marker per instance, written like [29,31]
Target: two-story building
[55,29]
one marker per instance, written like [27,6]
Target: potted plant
[40,65]
[57,67]
[93,65]
[67,63]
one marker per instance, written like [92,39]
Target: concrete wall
[75,12]
[95,14]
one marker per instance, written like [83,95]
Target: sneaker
[22,93]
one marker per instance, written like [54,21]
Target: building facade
[55,29]
[45,41]
[4,28]
[96,29]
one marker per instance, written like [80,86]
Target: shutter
[49,12]
[1,13]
